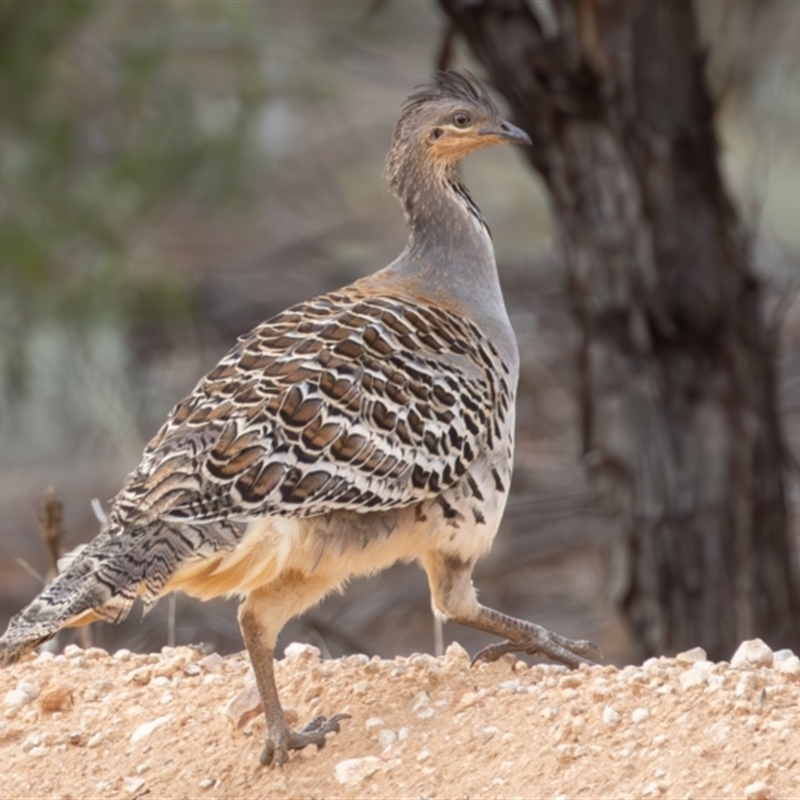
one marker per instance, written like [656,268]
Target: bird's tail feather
[103,578]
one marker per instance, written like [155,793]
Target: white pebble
[640,714]
[211,663]
[132,785]
[122,655]
[374,722]
[693,677]
[30,689]
[95,740]
[420,700]
[781,655]
[455,650]
[387,738]
[15,698]
[611,716]
[101,786]
[146,728]
[354,771]
[489,732]
[757,791]
[690,656]
[652,789]
[423,755]
[296,651]
[206,783]
[752,653]
[73,651]
[789,666]
[402,734]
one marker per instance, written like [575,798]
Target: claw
[279,743]
[565,651]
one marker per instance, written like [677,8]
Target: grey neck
[449,256]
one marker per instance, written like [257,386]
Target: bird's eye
[461,120]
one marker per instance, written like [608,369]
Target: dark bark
[679,407]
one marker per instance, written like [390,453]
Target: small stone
[123,655]
[654,789]
[426,713]
[640,715]
[191,670]
[423,755]
[299,651]
[362,687]
[457,652]
[101,786]
[354,771]
[758,790]
[95,740]
[244,707]
[146,728]
[611,716]
[693,677]
[73,651]
[489,732]
[374,722]
[132,785]
[513,685]
[402,734]
[56,698]
[139,676]
[95,653]
[421,699]
[211,663]
[781,655]
[14,698]
[387,738]
[468,699]
[752,653]
[789,666]
[43,658]
[206,783]
[421,660]
[691,656]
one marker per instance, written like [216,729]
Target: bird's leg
[454,596]
[259,639]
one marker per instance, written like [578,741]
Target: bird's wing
[349,401]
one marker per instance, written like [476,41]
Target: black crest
[451,85]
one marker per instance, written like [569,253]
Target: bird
[367,426]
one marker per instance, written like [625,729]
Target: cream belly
[332,548]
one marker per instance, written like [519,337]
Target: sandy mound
[87,724]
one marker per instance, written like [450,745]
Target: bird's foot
[540,641]
[281,739]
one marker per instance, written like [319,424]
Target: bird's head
[447,119]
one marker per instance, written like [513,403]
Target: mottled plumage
[365,426]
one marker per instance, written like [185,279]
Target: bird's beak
[506,132]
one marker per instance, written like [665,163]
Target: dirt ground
[89,724]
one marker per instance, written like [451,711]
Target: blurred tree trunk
[679,407]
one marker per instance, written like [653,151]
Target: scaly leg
[257,611]
[454,596]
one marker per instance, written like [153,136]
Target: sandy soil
[88,724]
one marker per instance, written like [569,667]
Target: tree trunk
[678,407]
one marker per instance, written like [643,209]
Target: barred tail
[102,579]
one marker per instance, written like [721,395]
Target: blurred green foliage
[114,114]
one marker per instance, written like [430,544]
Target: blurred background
[172,173]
